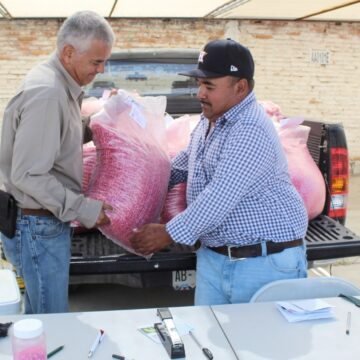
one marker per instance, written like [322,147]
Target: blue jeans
[222,281]
[40,253]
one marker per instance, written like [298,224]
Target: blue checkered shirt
[238,187]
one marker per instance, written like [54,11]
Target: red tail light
[339,182]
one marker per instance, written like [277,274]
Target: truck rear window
[150,79]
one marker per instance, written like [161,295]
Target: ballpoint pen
[55,351]
[205,350]
[97,341]
[348,323]
[115,356]
[120,357]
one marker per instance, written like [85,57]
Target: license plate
[183,279]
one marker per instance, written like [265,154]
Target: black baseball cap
[221,58]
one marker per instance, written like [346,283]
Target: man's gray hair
[81,28]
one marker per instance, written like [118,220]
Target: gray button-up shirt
[41,145]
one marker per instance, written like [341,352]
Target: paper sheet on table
[309,309]
[182,327]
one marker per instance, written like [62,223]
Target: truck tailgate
[328,239]
[325,239]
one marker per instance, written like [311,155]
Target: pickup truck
[327,237]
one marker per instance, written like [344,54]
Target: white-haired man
[41,160]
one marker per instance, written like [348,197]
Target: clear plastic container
[28,340]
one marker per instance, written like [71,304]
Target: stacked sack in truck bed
[304,173]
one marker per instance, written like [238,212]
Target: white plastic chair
[10,297]
[305,288]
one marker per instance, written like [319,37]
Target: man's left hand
[150,238]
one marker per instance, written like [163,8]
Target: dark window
[150,79]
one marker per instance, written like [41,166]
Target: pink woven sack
[178,137]
[304,173]
[132,166]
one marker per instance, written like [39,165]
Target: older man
[241,205]
[41,160]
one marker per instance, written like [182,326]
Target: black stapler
[169,335]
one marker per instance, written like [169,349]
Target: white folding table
[258,331]
[77,332]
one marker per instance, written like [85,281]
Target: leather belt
[36,212]
[255,250]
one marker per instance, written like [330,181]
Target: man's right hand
[103,218]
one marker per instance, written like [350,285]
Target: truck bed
[93,253]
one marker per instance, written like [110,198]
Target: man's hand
[150,238]
[102,218]
[113,92]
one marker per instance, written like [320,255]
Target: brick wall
[282,51]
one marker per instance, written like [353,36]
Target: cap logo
[233,68]
[201,56]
